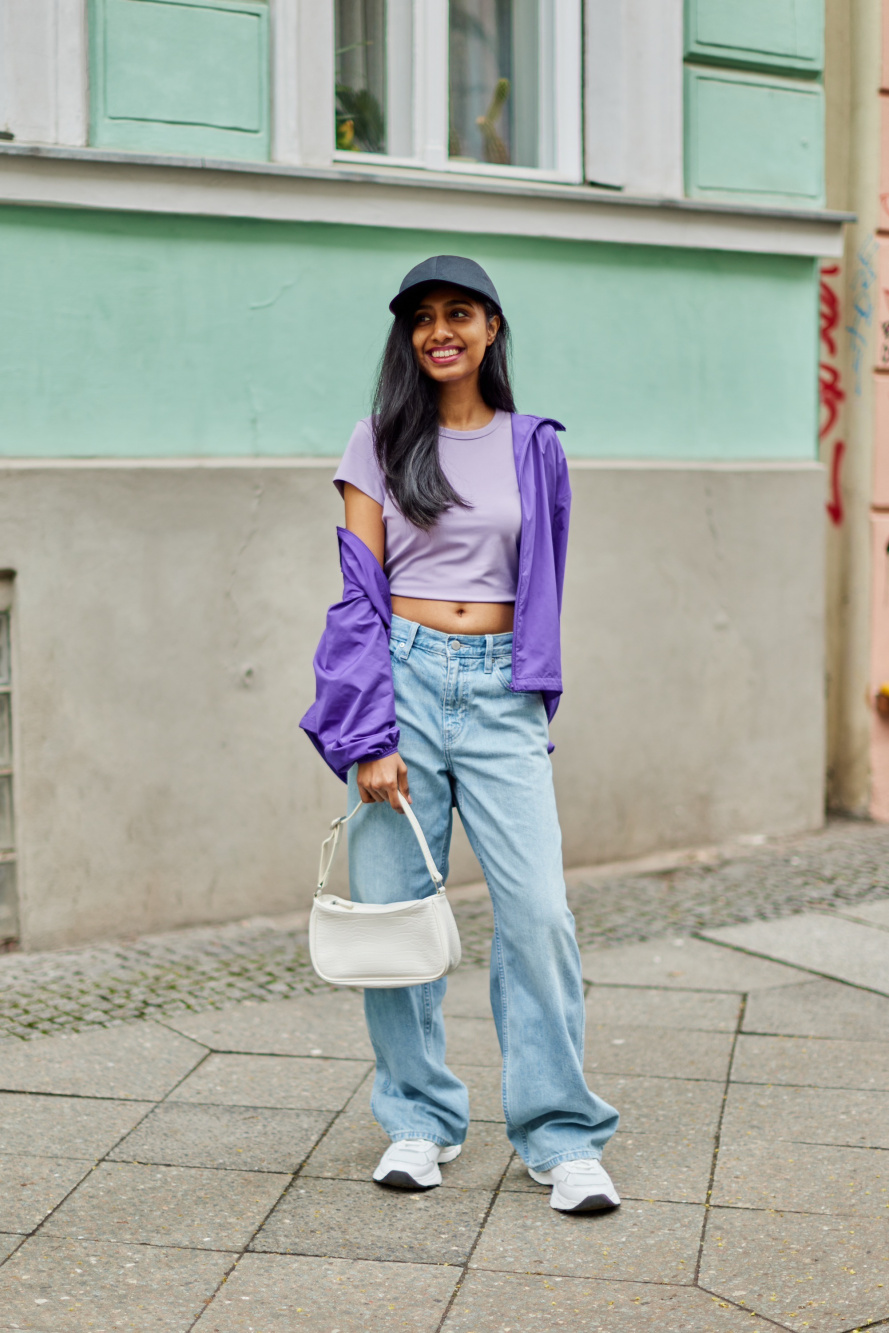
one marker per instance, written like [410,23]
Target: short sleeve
[359,465]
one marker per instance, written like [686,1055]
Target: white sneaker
[412,1164]
[582,1186]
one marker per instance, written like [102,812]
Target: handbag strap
[332,842]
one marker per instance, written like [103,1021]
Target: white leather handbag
[403,943]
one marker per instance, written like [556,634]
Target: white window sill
[382,194]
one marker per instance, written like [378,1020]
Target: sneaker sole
[400,1180]
[593,1203]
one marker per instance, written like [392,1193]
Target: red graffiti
[831,392]
[835,503]
[830,309]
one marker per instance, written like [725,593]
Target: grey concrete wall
[164,621]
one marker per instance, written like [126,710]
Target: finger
[404,787]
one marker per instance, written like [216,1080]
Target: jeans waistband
[435,641]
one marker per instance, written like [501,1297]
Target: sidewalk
[210,1170]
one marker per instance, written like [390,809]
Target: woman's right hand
[380,780]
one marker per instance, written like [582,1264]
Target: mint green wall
[143,335]
[754,136]
[776,34]
[180,76]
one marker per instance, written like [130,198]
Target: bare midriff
[456,617]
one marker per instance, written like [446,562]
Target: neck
[461,406]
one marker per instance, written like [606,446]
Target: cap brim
[411,293]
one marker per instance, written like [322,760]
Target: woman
[437,675]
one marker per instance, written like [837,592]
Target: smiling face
[451,334]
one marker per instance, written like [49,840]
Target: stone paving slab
[663,1052]
[289,1082]
[820,941]
[469,993]
[642,1242]
[64,1126]
[330,1022]
[168,1205]
[807,1115]
[508,1303]
[140,1061]
[485,1090]
[803,1178]
[242,1138]
[652,1006]
[473,1041]
[684,964]
[277,1293]
[812,1274]
[663,1105]
[349,1220]
[657,1168]
[819,1009]
[875,914]
[30,1187]
[54,1285]
[816,1063]
[8,1244]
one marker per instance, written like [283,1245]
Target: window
[489,86]
[374,77]
[500,82]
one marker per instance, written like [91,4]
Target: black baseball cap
[452,270]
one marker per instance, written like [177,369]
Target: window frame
[431,92]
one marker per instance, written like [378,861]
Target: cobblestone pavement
[209,1172]
[198,969]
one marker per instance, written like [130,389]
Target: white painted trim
[27,69]
[43,70]
[605,92]
[421,200]
[431,82]
[314,72]
[653,90]
[568,88]
[72,73]
[284,84]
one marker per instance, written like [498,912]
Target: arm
[379,780]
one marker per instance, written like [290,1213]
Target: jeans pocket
[503,672]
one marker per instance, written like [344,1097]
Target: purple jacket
[353,716]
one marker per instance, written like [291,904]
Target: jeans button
[456,645]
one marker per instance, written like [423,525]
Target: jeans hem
[572,1155]
[430,1138]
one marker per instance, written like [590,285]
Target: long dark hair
[405,417]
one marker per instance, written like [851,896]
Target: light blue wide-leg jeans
[468,740]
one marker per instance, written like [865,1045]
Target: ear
[493,328]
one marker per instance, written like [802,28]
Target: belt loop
[489,654]
[409,641]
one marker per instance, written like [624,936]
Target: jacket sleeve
[353,716]
[561,516]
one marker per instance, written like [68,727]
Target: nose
[442,330]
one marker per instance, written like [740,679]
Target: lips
[443,355]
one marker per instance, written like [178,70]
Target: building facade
[204,210]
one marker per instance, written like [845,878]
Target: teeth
[446,355]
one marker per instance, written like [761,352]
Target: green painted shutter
[185,77]
[746,134]
[771,34]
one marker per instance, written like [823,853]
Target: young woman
[437,676]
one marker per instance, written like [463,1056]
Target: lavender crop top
[470,555]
